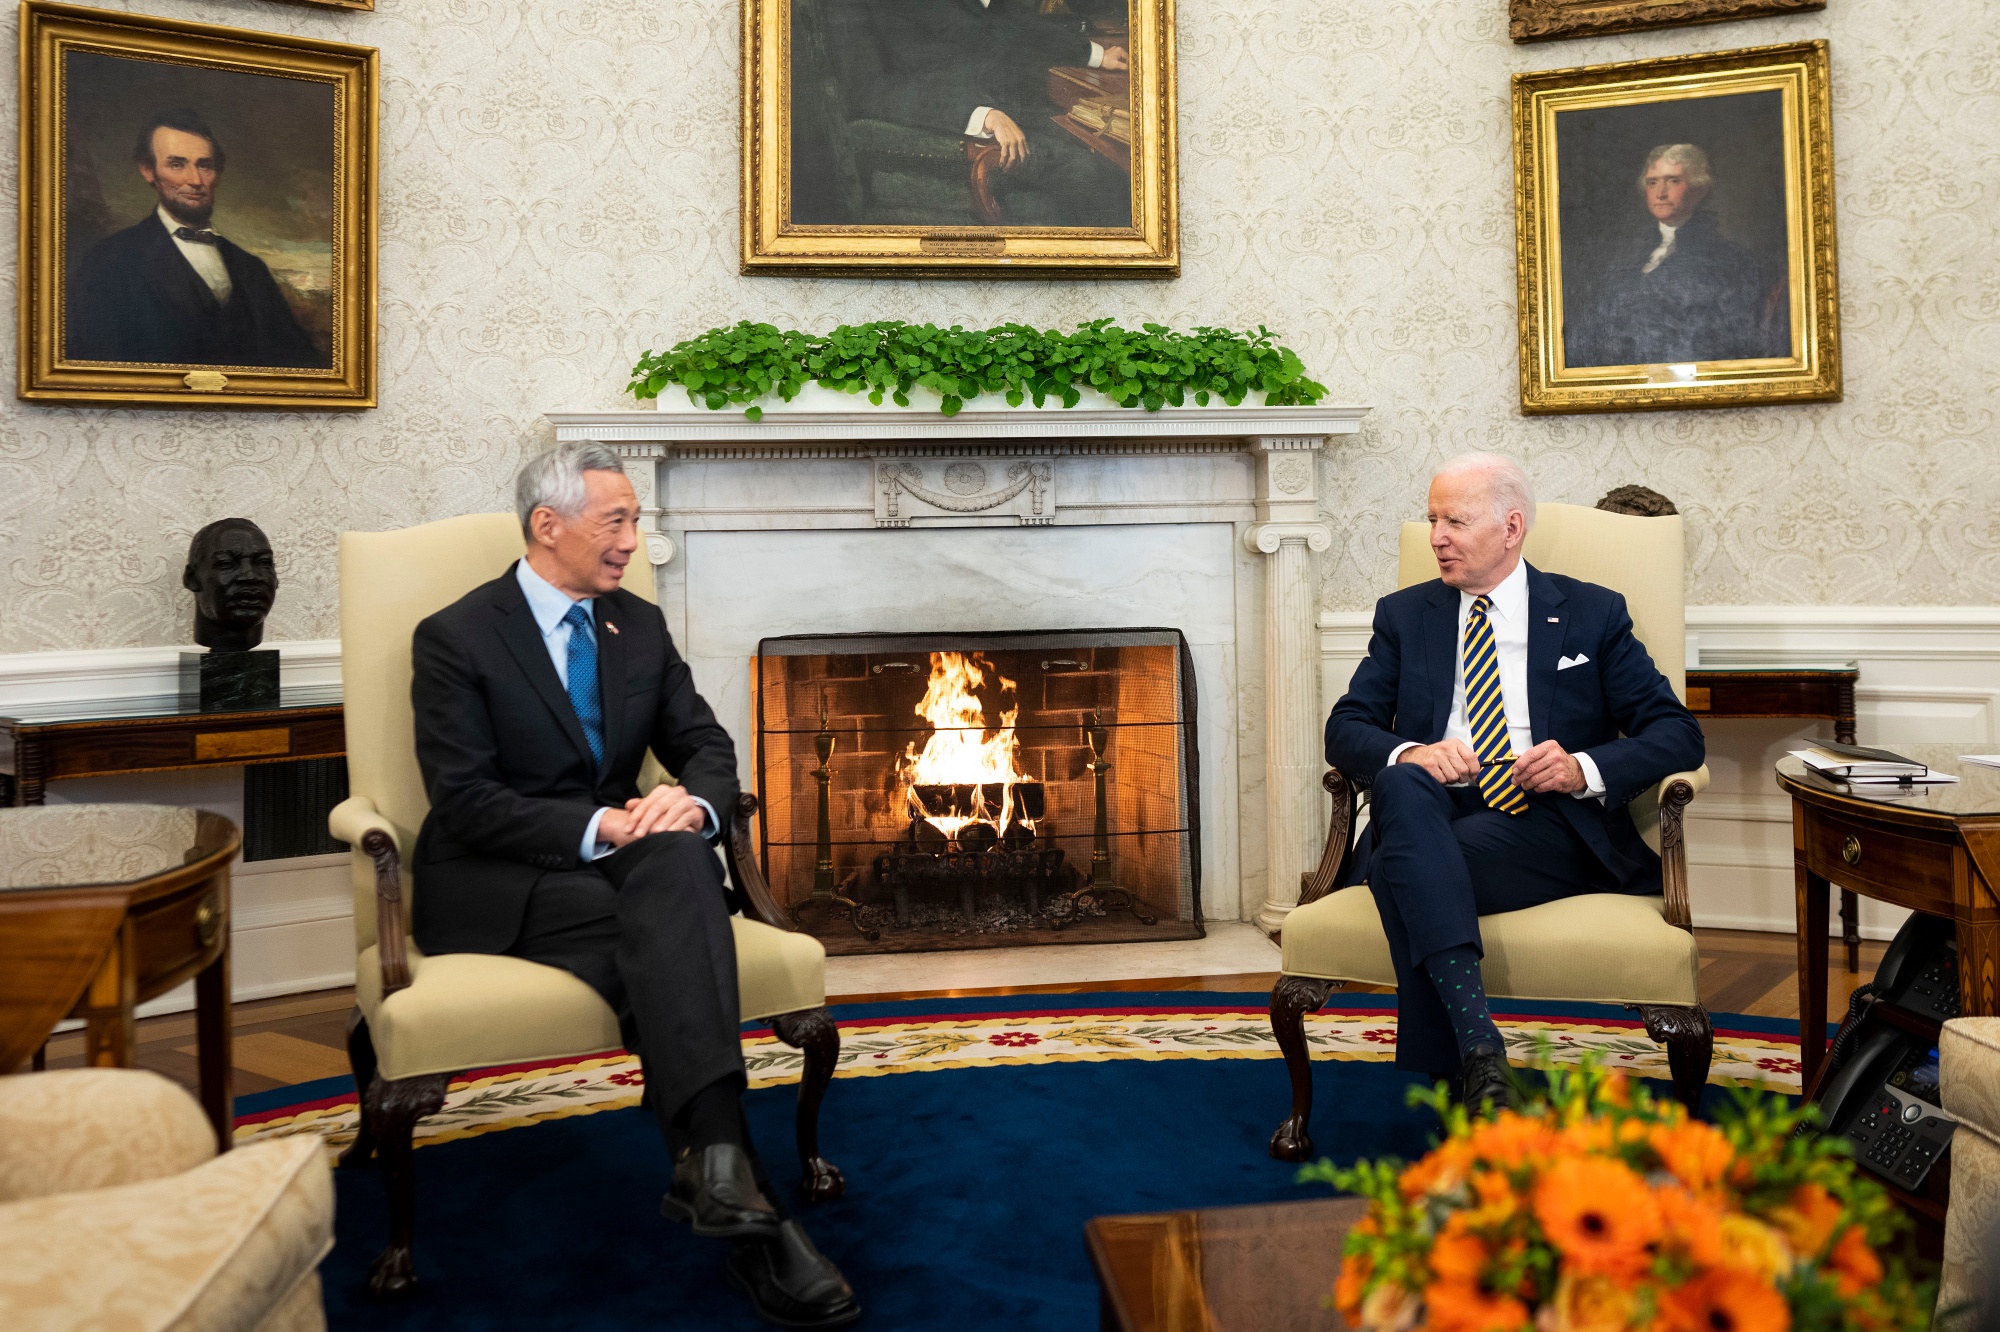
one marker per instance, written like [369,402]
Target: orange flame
[959,750]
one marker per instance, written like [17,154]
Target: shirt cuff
[1397,752]
[974,128]
[710,828]
[592,848]
[1593,781]
[1096,56]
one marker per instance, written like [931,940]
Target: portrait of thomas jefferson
[171,288]
[1676,288]
[961,112]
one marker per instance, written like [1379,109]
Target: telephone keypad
[1892,1143]
[1934,992]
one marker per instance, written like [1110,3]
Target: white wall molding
[104,678]
[1927,673]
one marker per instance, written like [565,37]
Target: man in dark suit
[1504,718]
[1679,291]
[980,68]
[536,697]
[168,289]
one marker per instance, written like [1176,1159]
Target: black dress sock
[715,1115]
[1455,973]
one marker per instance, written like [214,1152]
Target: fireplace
[928,791]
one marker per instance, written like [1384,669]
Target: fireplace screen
[969,790]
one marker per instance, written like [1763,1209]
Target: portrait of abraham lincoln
[961,113]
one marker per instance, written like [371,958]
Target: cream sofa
[116,1213]
[1969,1077]
[1594,948]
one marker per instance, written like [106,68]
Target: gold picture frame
[1548,20]
[197,214]
[855,162]
[1675,233]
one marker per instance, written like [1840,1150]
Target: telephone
[1884,1100]
[1919,973]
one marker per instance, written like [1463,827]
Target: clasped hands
[1546,767]
[1013,143]
[664,809]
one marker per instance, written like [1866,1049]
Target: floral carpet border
[489,1100]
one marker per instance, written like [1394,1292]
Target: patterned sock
[1455,972]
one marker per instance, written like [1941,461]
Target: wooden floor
[302,1037]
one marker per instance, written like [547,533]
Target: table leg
[41,1061]
[212,1032]
[1850,929]
[1812,893]
[110,1025]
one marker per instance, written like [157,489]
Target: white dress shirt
[549,605]
[976,127]
[206,260]
[1666,247]
[1508,617]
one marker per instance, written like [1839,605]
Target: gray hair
[554,480]
[1686,155]
[1507,484]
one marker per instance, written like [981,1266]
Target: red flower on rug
[1779,1064]
[1015,1039]
[1380,1035]
[630,1078]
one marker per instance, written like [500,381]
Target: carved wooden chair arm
[357,822]
[1674,794]
[1339,837]
[747,872]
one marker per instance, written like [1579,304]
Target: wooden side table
[1261,1268]
[36,749]
[103,907]
[1824,691]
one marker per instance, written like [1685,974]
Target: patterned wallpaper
[559,192]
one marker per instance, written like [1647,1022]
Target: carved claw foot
[1291,1142]
[822,1180]
[393,1275]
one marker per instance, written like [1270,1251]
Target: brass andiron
[1098,887]
[825,894]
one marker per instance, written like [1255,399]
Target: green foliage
[1151,367]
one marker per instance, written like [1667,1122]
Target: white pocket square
[1564,663]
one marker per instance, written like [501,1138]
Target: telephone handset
[1884,1101]
[1919,973]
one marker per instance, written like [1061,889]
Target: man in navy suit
[168,289]
[1504,718]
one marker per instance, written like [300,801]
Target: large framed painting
[1544,20]
[1674,233]
[959,137]
[197,214]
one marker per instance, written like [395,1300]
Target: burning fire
[959,751]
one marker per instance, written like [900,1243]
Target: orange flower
[1855,1266]
[1390,1308]
[1598,1214]
[1349,1290]
[1617,1089]
[1511,1140]
[1725,1300]
[1694,1152]
[1748,1245]
[1440,1172]
[1693,1226]
[1461,1306]
[1588,1304]
[1495,1201]
[1808,1218]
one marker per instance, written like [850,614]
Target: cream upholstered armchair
[418,1019]
[1594,948]
[1969,1080]
[116,1212]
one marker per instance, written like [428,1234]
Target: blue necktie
[583,692]
[1486,714]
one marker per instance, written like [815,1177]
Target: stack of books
[1113,121]
[1859,765]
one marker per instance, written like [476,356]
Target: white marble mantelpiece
[905,520]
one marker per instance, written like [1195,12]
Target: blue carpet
[968,1190]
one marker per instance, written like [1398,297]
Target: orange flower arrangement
[1603,1210]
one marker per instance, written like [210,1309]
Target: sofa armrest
[95,1128]
[357,822]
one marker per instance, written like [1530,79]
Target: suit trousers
[1442,860]
[647,927]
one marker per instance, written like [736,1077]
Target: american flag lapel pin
[612,627]
[1553,619]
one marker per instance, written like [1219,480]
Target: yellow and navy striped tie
[1486,714]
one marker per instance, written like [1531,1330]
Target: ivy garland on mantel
[1150,367]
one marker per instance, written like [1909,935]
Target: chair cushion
[1592,948]
[477,1010]
[1969,1073]
[219,1248]
[95,1128]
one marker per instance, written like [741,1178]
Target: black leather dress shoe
[1488,1080]
[716,1189]
[791,1283]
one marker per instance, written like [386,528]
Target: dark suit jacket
[133,297]
[505,763]
[1705,302]
[929,63]
[1617,705]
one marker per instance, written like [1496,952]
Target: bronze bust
[234,580]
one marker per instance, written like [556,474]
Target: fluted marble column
[1289,534]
